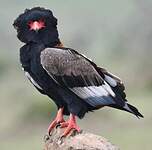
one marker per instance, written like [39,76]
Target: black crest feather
[50,33]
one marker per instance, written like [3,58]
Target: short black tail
[129,108]
[134,111]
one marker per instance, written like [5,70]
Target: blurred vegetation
[116,35]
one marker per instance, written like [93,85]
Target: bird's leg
[58,119]
[70,124]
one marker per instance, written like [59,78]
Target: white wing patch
[32,80]
[90,91]
[95,95]
[111,81]
[108,89]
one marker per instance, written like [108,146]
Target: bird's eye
[16,26]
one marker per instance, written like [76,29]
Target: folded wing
[75,72]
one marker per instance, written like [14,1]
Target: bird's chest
[30,61]
[33,72]
[35,65]
[32,80]
[40,76]
[37,73]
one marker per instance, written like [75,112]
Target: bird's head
[37,25]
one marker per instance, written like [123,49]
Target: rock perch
[76,141]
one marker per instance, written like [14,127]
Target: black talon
[46,138]
[58,125]
[50,133]
[74,132]
[61,138]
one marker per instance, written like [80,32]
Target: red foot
[58,119]
[70,124]
[64,124]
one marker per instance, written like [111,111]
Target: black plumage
[73,81]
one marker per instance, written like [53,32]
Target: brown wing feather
[75,72]
[68,65]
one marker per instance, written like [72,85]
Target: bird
[73,81]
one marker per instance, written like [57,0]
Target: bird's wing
[74,71]
[115,82]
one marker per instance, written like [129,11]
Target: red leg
[58,119]
[70,124]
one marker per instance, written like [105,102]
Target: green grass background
[116,35]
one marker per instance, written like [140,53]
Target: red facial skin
[36,25]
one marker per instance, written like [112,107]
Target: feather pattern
[76,73]
[32,80]
[115,83]
[94,95]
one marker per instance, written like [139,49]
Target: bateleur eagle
[75,83]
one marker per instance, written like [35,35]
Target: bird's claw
[56,122]
[46,138]
[58,125]
[50,133]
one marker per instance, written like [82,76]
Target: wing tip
[133,110]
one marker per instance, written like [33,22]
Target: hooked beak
[36,25]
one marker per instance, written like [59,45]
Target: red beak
[36,25]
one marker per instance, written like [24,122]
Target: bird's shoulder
[66,61]
[60,54]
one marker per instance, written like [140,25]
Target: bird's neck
[56,43]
